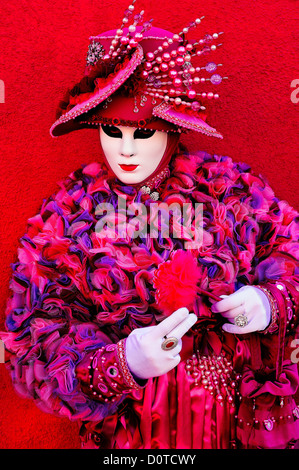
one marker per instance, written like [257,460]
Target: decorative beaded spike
[167,75]
[165,81]
[215,374]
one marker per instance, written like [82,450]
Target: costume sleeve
[276,258]
[52,337]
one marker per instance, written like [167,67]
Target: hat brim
[169,113]
[66,123]
[174,118]
[123,110]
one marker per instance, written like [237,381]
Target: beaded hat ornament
[144,77]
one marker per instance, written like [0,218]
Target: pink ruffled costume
[76,297]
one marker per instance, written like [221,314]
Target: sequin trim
[121,354]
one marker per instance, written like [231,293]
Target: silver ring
[241,321]
[169,343]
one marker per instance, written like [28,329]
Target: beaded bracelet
[103,377]
[122,360]
[109,375]
[285,290]
[273,326]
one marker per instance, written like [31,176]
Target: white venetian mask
[133,154]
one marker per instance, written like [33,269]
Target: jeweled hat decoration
[154,67]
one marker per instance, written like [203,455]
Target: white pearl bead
[213,48]
[215,36]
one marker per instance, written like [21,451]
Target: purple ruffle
[73,292]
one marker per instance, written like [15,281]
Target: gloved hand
[145,356]
[249,301]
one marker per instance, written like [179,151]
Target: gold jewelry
[169,343]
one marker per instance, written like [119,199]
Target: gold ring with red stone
[169,343]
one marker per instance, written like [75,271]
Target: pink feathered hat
[143,77]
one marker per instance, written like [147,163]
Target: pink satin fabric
[172,413]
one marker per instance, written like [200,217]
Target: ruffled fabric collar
[118,275]
[115,276]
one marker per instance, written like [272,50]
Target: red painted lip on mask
[128,167]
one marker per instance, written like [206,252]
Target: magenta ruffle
[73,292]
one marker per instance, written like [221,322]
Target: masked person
[143,330]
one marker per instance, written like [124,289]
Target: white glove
[249,301]
[145,357]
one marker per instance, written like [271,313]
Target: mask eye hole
[143,133]
[112,131]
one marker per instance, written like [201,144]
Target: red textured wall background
[43,49]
